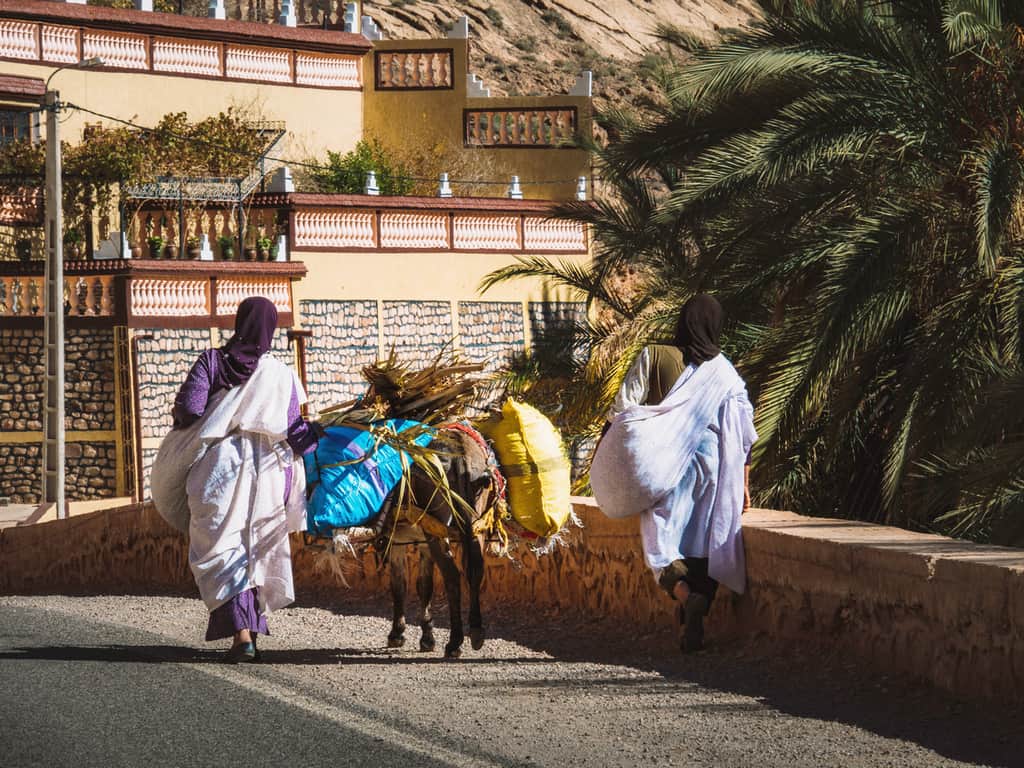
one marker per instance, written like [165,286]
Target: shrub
[559,22]
[495,17]
[347,173]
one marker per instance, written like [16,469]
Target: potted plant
[194,248]
[227,247]
[171,251]
[156,246]
[136,250]
[23,249]
[264,245]
[73,241]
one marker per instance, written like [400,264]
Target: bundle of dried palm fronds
[434,394]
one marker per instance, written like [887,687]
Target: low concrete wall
[946,611]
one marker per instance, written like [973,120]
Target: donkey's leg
[425,590]
[396,565]
[473,563]
[442,553]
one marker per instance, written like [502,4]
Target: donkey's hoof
[427,644]
[452,651]
[396,641]
[476,638]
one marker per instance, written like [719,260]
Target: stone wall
[22,368]
[948,612]
[21,472]
[491,332]
[89,379]
[91,470]
[418,330]
[163,361]
[344,340]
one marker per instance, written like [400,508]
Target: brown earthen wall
[945,611]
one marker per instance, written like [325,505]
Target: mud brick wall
[91,470]
[417,329]
[344,340]
[21,472]
[21,371]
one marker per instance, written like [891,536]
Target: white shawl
[645,452]
[223,480]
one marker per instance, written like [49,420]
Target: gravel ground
[544,690]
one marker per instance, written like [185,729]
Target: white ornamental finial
[515,192]
[444,188]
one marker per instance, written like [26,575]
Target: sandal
[240,653]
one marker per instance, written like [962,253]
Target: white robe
[647,452]
[223,480]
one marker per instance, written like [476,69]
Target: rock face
[534,47]
[523,47]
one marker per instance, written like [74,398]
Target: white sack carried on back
[642,457]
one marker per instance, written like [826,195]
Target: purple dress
[206,378]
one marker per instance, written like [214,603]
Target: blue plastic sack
[351,495]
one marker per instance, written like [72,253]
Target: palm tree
[850,175]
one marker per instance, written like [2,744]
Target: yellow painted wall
[432,122]
[317,119]
[413,276]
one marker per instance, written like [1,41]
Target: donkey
[432,519]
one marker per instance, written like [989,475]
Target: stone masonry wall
[344,340]
[21,472]
[418,330]
[89,379]
[21,371]
[491,332]
[91,470]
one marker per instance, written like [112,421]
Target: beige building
[357,274]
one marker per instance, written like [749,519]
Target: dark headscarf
[255,324]
[698,328]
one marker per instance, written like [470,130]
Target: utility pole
[53,315]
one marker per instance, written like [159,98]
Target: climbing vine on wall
[224,145]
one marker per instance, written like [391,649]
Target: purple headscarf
[255,324]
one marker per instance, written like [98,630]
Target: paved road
[126,681]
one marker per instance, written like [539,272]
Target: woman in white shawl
[230,473]
[675,452]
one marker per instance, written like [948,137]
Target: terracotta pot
[154,252]
[171,251]
[136,251]
[264,254]
[73,252]
[250,254]
[195,252]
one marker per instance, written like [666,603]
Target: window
[16,124]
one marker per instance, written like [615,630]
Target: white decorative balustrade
[413,70]
[193,58]
[233,291]
[57,44]
[327,229]
[169,297]
[116,49]
[89,295]
[254,63]
[21,296]
[60,44]
[327,71]
[519,127]
[18,40]
[413,230]
[485,233]
[541,234]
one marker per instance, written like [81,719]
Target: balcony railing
[411,70]
[66,43]
[148,293]
[511,127]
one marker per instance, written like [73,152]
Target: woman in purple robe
[241,409]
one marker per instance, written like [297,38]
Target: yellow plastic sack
[534,464]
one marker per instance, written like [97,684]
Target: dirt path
[550,691]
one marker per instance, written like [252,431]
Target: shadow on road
[806,682]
